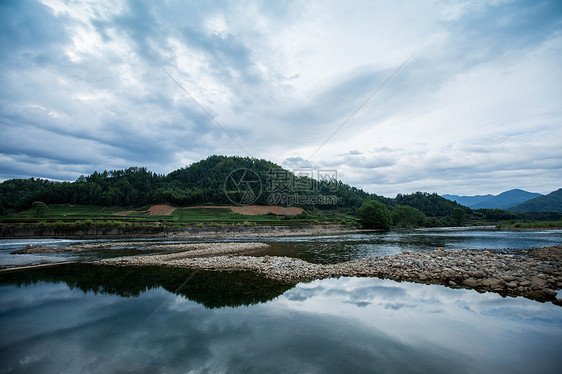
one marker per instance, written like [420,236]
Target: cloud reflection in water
[328,326]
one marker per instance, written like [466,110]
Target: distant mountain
[468,201]
[505,200]
[547,203]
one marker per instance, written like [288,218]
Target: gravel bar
[535,274]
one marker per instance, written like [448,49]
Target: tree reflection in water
[211,289]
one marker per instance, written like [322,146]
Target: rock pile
[190,250]
[484,270]
[196,249]
[30,248]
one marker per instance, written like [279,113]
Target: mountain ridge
[504,200]
[551,202]
[467,200]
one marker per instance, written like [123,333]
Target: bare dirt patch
[161,210]
[208,207]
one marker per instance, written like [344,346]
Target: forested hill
[201,183]
[547,203]
[432,205]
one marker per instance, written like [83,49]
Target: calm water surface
[85,318]
[339,248]
[319,249]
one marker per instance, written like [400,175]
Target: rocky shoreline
[535,273]
[185,233]
[195,249]
[260,231]
[31,249]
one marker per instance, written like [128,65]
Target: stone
[491,282]
[537,282]
[471,282]
[448,274]
[478,274]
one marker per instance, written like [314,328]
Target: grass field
[181,217]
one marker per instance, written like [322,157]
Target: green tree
[40,207]
[406,216]
[458,216]
[432,205]
[374,215]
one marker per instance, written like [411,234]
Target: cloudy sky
[472,106]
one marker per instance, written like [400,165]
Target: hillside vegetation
[202,183]
[547,203]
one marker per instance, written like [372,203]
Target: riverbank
[535,273]
[9,231]
[184,233]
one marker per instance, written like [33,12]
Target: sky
[458,97]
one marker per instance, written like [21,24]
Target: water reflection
[329,326]
[211,289]
[339,248]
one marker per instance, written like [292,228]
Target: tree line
[375,215]
[200,183]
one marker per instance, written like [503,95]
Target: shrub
[458,216]
[374,215]
[59,225]
[406,216]
[40,208]
[83,225]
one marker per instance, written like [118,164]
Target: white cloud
[475,111]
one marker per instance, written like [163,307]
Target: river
[88,318]
[317,249]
